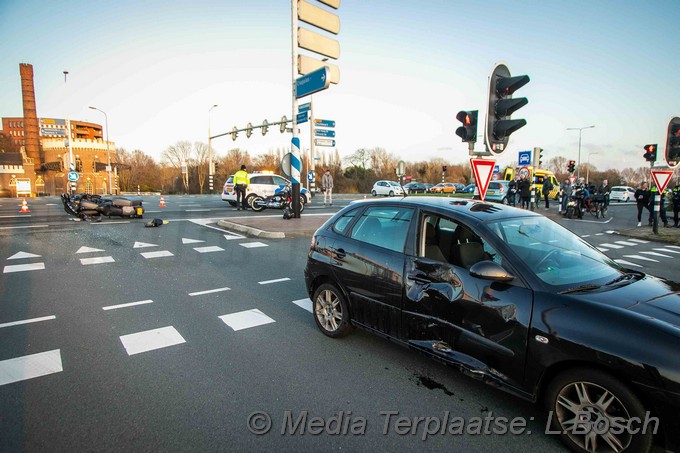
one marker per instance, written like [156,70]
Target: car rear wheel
[331,313]
[374,193]
[595,412]
[391,194]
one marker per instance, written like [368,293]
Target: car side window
[340,225]
[262,180]
[384,226]
[279,181]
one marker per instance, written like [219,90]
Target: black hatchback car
[513,299]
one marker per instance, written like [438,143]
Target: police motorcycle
[93,207]
[282,199]
[575,204]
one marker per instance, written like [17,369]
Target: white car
[622,193]
[388,188]
[262,184]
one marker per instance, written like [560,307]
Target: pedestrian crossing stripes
[627,263]
[246,319]
[97,260]
[638,257]
[210,249]
[30,366]
[159,254]
[149,340]
[23,268]
[250,245]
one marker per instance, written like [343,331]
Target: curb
[649,236]
[250,231]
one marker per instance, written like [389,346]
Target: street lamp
[108,152]
[210,161]
[579,129]
[588,167]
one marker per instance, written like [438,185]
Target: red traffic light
[650,154]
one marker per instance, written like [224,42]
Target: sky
[406,68]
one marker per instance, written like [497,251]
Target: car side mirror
[488,270]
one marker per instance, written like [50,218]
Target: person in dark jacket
[524,188]
[512,191]
[654,191]
[676,204]
[642,199]
[565,192]
[547,188]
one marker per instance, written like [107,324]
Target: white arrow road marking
[97,260]
[21,255]
[151,339]
[141,245]
[267,282]
[667,250]
[628,263]
[23,268]
[246,319]
[30,366]
[88,250]
[657,254]
[27,321]
[191,241]
[638,257]
[159,254]
[305,303]
[612,246]
[130,304]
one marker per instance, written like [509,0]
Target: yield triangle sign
[21,255]
[141,245]
[482,169]
[661,178]
[88,250]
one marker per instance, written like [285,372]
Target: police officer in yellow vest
[241,183]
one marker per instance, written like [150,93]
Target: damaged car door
[463,304]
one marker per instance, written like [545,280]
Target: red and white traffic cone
[24,207]
[162,205]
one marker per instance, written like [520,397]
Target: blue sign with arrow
[310,176]
[324,123]
[301,118]
[73,176]
[324,133]
[311,83]
[524,158]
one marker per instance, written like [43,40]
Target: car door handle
[339,253]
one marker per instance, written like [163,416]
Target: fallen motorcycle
[282,199]
[93,207]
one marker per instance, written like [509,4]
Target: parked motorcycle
[282,199]
[92,207]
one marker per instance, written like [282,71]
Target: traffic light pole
[657,206]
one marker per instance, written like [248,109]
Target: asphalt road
[169,338]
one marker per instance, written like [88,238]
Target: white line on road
[667,250]
[266,282]
[209,291]
[210,249]
[639,241]
[23,268]
[97,260]
[657,254]
[612,246]
[131,304]
[231,236]
[13,216]
[638,257]
[27,321]
[599,234]
[673,246]
[585,236]
[250,245]
[151,339]
[602,249]
[22,255]
[159,254]
[30,366]
[84,249]
[191,241]
[627,263]
[625,243]
[25,226]
[246,319]
[151,212]
[109,223]
[305,303]
[196,210]
[141,245]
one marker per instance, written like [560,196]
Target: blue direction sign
[304,107]
[310,176]
[496,169]
[524,158]
[73,176]
[311,83]
[301,118]
[324,133]
[324,142]
[324,123]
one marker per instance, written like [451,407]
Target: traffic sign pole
[295,141]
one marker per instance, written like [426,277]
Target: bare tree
[359,158]
[174,155]
[201,163]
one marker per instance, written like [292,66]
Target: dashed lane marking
[209,291]
[159,254]
[656,254]
[250,245]
[24,226]
[625,243]
[639,241]
[97,260]
[150,340]
[305,303]
[27,321]
[130,304]
[267,282]
[191,241]
[627,263]
[30,366]
[638,257]
[612,246]
[210,249]
[602,249]
[673,246]
[599,234]
[246,319]
[585,235]
[667,250]
[21,255]
[23,268]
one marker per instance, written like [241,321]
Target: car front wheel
[331,313]
[391,194]
[374,193]
[589,408]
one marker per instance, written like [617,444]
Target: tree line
[356,173]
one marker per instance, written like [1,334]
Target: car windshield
[559,258]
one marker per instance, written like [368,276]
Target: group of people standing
[520,187]
[646,198]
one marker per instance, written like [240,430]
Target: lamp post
[579,129]
[211,170]
[108,152]
[588,167]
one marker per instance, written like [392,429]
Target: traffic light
[215,165]
[650,153]
[468,131]
[234,133]
[571,168]
[443,168]
[249,130]
[282,127]
[501,104]
[672,154]
[265,127]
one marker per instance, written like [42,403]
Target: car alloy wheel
[374,193]
[391,194]
[591,410]
[330,311]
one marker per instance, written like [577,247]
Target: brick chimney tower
[31,130]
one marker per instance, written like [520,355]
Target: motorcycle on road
[282,199]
